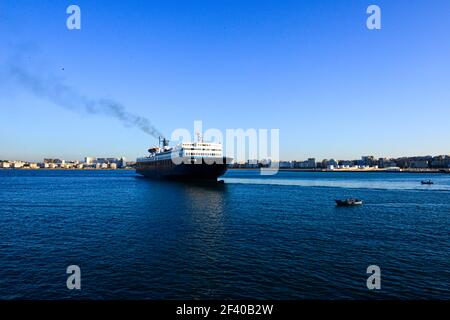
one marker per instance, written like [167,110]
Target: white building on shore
[5,164]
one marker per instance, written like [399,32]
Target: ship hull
[190,170]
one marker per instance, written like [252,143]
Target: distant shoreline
[443,171]
[67,169]
[434,171]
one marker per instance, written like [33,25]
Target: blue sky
[309,68]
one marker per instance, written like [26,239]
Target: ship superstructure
[187,161]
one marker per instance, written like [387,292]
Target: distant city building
[403,163]
[5,164]
[386,163]
[120,162]
[308,164]
[55,161]
[285,164]
[89,160]
[419,164]
[440,162]
[17,164]
[332,162]
[367,161]
[346,163]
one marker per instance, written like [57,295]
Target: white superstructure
[199,149]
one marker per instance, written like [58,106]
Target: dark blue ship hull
[190,170]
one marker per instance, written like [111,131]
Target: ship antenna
[163,142]
[199,137]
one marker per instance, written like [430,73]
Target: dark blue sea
[264,237]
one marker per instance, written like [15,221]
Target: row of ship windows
[200,154]
[202,149]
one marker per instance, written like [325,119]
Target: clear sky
[310,68]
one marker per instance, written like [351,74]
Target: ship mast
[163,142]
[199,136]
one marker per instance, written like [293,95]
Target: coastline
[443,171]
[434,171]
[67,169]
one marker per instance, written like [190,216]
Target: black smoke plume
[57,92]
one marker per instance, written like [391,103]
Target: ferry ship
[193,161]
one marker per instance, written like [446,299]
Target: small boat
[427,182]
[348,202]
